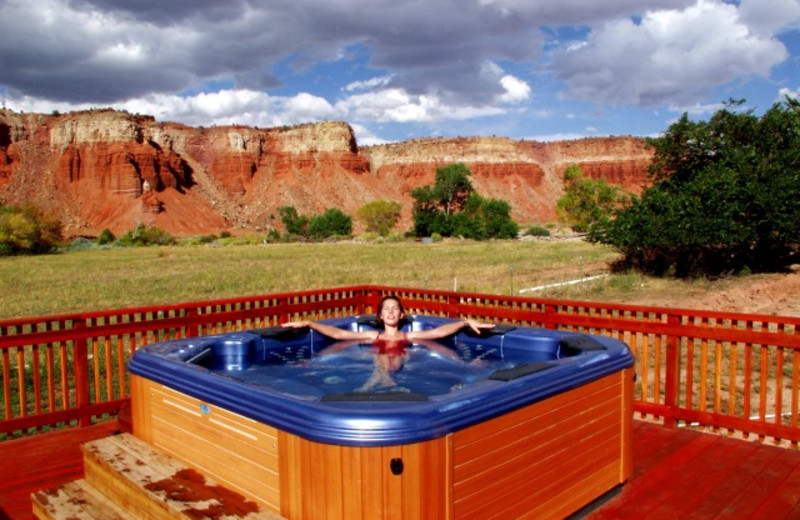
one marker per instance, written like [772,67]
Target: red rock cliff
[107,169]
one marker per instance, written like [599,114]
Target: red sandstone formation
[106,169]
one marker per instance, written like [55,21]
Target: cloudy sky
[403,69]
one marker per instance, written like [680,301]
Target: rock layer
[108,169]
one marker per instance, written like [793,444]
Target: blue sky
[397,69]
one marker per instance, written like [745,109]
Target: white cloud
[473,66]
[130,52]
[517,90]
[697,109]
[544,138]
[672,55]
[397,105]
[369,84]
[768,17]
[365,137]
[784,92]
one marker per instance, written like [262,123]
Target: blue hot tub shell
[537,364]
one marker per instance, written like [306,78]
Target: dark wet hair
[385,299]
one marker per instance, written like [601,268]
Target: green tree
[586,202]
[452,207]
[425,212]
[331,223]
[434,205]
[724,197]
[496,219]
[294,223]
[28,230]
[452,187]
[379,216]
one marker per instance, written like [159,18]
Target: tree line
[450,207]
[723,197]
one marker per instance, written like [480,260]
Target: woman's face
[391,314]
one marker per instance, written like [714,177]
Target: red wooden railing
[728,372]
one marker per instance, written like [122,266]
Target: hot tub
[517,421]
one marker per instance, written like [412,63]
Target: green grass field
[126,277]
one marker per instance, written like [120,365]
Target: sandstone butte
[108,169]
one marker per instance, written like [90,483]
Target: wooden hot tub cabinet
[545,460]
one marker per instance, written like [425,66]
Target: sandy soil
[771,294]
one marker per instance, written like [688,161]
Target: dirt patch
[770,294]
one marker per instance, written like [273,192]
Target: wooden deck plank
[784,501]
[677,473]
[687,474]
[762,491]
[652,485]
[708,473]
[747,471]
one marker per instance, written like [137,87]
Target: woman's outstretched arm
[331,331]
[449,328]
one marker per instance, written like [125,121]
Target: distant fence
[728,372]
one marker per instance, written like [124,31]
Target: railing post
[549,320]
[450,307]
[192,329]
[369,301]
[672,378]
[81,365]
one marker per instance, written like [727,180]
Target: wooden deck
[40,462]
[677,474]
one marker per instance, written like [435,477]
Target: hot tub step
[126,478]
[75,501]
[150,484]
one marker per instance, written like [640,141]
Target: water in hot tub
[427,368]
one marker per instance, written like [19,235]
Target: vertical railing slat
[6,361]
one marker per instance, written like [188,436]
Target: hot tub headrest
[373,397]
[373,321]
[580,343]
[278,332]
[497,330]
[523,369]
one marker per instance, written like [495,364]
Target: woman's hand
[296,324]
[330,331]
[477,326]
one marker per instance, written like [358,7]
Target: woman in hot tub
[390,315]
[390,343]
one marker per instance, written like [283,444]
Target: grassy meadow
[96,279]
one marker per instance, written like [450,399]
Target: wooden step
[141,482]
[75,500]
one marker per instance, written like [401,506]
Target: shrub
[273,235]
[206,239]
[106,237]
[28,230]
[538,231]
[143,235]
[80,244]
[379,216]
[331,223]
[586,202]
[495,216]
